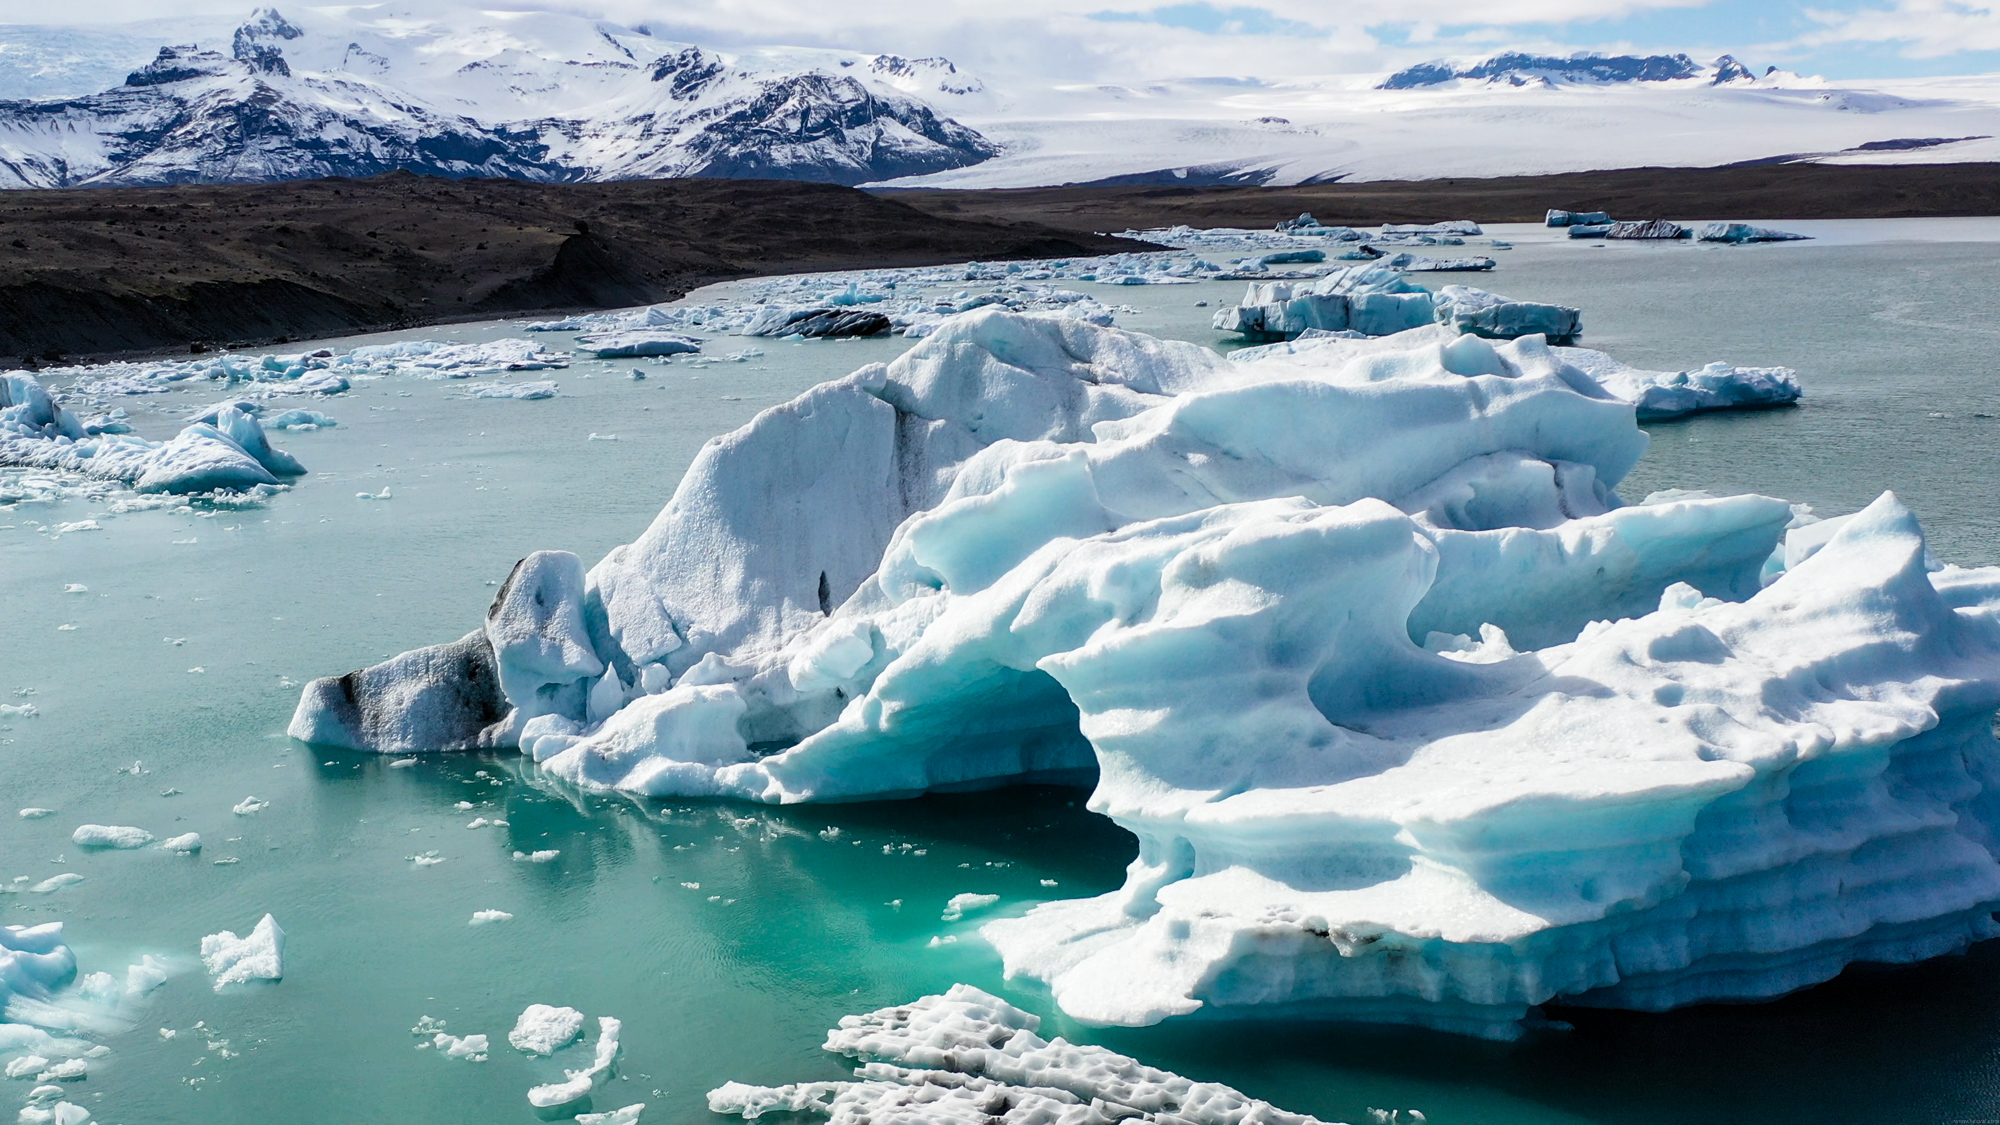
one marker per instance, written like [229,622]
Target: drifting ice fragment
[969,1056]
[627,1115]
[636,342]
[1671,394]
[259,955]
[110,836]
[544,1029]
[471,1048]
[960,903]
[186,844]
[581,1082]
[486,917]
[1744,232]
[249,805]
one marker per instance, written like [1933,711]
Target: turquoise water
[794,924]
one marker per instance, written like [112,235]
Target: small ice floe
[427,859]
[959,904]
[260,955]
[637,374]
[487,917]
[525,391]
[483,822]
[402,763]
[948,939]
[36,814]
[79,525]
[55,883]
[963,1055]
[537,857]
[249,805]
[382,495]
[625,1115]
[544,1029]
[636,342]
[471,1048]
[595,436]
[581,1082]
[300,420]
[21,711]
[75,588]
[110,836]
[185,845]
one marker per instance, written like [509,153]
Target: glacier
[1702,748]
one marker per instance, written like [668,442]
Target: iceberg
[636,342]
[1701,750]
[1744,232]
[970,1056]
[225,450]
[816,322]
[1558,218]
[1376,300]
[1647,229]
[1672,394]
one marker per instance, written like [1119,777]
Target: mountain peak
[1518,68]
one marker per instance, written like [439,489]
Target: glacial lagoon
[728,938]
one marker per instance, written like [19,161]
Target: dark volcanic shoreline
[1768,191]
[103,271]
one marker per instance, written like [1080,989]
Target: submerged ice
[1415,719]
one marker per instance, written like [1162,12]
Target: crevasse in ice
[1701,749]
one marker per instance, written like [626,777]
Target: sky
[1138,40]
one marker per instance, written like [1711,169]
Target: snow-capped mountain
[1517,69]
[434,86]
[537,95]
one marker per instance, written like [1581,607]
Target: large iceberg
[1376,300]
[1671,394]
[225,449]
[1415,719]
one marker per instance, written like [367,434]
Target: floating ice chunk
[537,857]
[581,1082]
[141,979]
[249,805]
[34,813]
[1647,229]
[24,711]
[185,844]
[382,495]
[487,917]
[624,1115]
[969,1056]
[300,420]
[636,342]
[471,1048]
[1744,232]
[544,1029]
[525,391]
[69,1070]
[1577,218]
[26,1066]
[259,955]
[1670,394]
[61,1113]
[79,525]
[75,588]
[110,836]
[55,883]
[960,903]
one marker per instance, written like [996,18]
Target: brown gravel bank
[102,271]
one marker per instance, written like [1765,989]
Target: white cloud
[1923,28]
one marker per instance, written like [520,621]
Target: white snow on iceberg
[1688,760]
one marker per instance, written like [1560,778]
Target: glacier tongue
[1694,756]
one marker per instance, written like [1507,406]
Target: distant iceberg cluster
[1414,717]
[224,449]
[321,372]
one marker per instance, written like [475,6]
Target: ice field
[162,652]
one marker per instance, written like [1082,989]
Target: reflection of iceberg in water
[1696,755]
